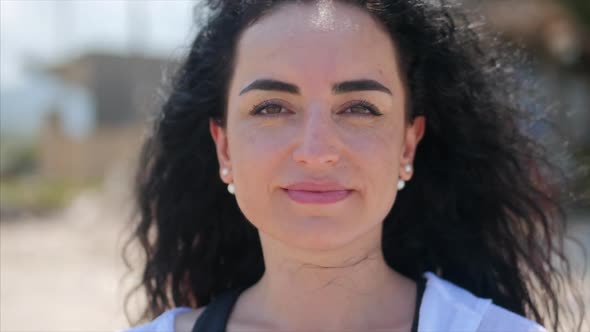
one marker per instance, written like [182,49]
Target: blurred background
[78,80]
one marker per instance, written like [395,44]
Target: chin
[318,233]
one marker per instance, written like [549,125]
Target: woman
[373,177]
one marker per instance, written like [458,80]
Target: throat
[328,300]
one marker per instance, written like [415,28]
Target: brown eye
[271,109]
[268,109]
[358,109]
[363,108]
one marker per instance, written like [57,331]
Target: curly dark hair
[482,210]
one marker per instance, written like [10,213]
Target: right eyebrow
[271,85]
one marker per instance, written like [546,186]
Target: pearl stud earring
[231,188]
[401,184]
[408,168]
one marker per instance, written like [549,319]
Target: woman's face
[329,98]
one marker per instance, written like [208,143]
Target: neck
[346,289]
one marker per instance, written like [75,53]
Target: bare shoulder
[185,321]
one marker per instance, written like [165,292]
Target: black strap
[214,318]
[420,287]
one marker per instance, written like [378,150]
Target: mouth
[317,197]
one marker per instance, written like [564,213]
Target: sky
[52,30]
[38,33]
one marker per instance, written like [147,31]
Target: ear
[220,138]
[413,135]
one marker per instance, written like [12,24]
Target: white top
[445,307]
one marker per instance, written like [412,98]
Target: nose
[318,140]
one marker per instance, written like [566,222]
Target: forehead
[326,41]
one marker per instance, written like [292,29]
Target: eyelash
[256,109]
[259,107]
[374,111]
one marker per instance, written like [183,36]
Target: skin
[324,265]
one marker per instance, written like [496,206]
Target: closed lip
[316,186]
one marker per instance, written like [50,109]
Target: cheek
[257,154]
[376,149]
[376,154]
[257,146]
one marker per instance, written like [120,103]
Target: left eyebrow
[360,85]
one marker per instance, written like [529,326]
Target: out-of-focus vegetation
[580,8]
[18,156]
[582,182]
[39,195]
[21,189]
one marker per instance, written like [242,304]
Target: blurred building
[546,27]
[560,44]
[124,90]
